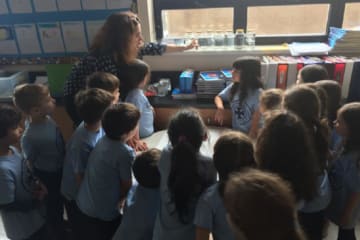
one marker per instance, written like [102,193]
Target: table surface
[160,139]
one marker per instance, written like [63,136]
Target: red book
[282,73]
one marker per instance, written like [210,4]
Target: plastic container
[229,39]
[186,81]
[9,80]
[250,39]
[164,87]
[219,39]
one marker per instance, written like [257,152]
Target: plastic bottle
[239,40]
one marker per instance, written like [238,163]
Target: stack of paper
[344,41]
[309,48]
[210,84]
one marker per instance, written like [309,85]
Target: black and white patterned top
[106,63]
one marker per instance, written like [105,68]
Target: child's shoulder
[211,192]
[13,157]
[135,93]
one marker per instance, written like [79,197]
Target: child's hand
[39,191]
[219,116]
[141,146]
[137,144]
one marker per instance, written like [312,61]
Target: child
[19,192]
[261,205]
[43,145]
[305,102]
[106,81]
[138,75]
[243,94]
[91,104]
[312,73]
[344,208]
[232,152]
[270,100]
[283,147]
[107,177]
[185,173]
[323,100]
[143,200]
[333,91]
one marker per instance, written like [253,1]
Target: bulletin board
[52,28]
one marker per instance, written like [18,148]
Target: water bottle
[239,40]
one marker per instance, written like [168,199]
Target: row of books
[282,71]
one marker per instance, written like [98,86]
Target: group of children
[292,163]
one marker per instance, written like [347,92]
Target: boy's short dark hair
[28,96]
[313,73]
[146,170]
[91,104]
[107,81]
[10,117]
[120,119]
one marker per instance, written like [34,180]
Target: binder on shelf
[292,70]
[347,78]
[282,73]
[272,72]
[354,91]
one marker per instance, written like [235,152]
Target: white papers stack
[344,41]
[309,48]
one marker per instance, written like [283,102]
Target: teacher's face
[136,42]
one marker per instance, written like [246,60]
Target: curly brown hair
[114,36]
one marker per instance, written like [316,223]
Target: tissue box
[9,80]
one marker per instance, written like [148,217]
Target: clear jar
[219,39]
[229,39]
[210,38]
[250,39]
[239,40]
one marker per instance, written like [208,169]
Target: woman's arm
[159,48]
[176,48]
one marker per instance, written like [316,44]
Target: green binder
[57,75]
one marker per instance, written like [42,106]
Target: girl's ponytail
[186,133]
[184,180]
